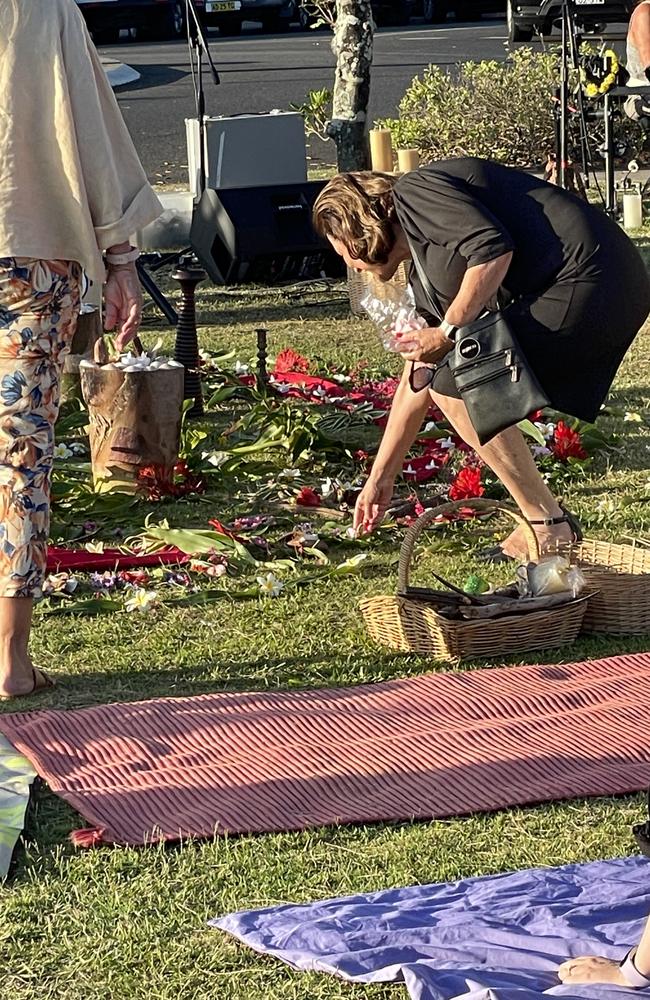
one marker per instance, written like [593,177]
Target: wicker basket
[621,576]
[360,283]
[411,626]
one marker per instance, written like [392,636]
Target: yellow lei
[594,87]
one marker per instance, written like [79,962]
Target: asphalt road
[261,72]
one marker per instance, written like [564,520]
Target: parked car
[524,19]
[436,11]
[229,15]
[150,18]
[386,12]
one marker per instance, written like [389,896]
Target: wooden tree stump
[135,420]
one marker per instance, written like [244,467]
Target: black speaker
[262,235]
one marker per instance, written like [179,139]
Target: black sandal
[495,554]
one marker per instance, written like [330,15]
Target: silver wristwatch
[449,330]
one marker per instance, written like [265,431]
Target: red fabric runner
[79,560]
[425,747]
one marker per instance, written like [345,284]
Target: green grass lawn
[130,924]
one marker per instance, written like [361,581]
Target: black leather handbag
[493,377]
[490,370]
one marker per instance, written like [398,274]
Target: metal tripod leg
[610,185]
[151,288]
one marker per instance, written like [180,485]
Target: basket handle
[416,529]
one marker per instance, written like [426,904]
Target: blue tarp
[498,937]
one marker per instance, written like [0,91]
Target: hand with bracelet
[430,345]
[122,293]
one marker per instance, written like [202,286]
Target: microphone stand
[197,42]
[568,58]
[198,48]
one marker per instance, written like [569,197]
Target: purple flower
[250,521]
[178,579]
[103,581]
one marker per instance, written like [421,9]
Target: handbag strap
[425,281]
[431,293]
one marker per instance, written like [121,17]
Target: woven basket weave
[621,576]
[360,283]
[413,626]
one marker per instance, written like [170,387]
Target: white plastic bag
[551,575]
[394,313]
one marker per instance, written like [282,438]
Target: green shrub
[499,110]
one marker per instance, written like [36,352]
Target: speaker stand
[155,261]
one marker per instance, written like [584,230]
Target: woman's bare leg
[17,676]
[511,460]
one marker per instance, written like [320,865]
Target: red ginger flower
[308,497]
[566,443]
[158,481]
[291,361]
[467,484]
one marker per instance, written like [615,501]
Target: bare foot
[38,681]
[18,675]
[591,969]
[548,537]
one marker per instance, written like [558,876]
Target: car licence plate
[214,6]
[589,3]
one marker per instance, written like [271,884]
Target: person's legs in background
[39,305]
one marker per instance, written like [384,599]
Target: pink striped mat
[431,746]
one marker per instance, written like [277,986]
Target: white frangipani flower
[141,600]
[548,430]
[270,586]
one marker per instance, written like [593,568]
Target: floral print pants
[39,305]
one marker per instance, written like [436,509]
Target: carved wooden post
[188,274]
[352,46]
[262,354]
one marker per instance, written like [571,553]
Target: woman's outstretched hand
[429,345]
[122,303]
[372,503]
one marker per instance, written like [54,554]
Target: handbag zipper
[514,377]
[486,357]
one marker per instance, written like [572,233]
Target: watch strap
[122,258]
[449,330]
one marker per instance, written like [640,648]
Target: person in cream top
[72,191]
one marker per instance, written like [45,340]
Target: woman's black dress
[577,286]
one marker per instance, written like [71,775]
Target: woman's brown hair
[358,210]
